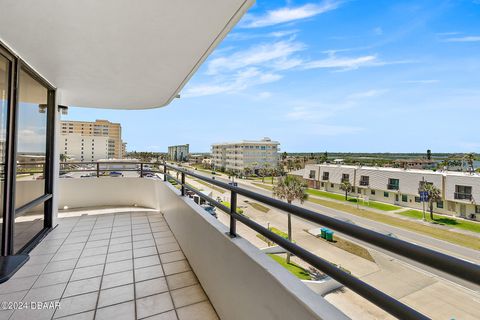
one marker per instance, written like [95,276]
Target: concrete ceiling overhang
[119,54]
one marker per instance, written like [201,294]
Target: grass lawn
[350,247]
[442,220]
[211,186]
[294,269]
[453,237]
[263,186]
[341,197]
[277,232]
[259,207]
[227,204]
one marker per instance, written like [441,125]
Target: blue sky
[358,76]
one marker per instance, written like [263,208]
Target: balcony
[463,196]
[392,186]
[134,246]
[364,182]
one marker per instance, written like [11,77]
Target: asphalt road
[413,237]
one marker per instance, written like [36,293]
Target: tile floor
[117,265]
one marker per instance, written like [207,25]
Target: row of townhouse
[460,191]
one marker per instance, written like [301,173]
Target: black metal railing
[463,196]
[364,182]
[454,266]
[393,186]
[451,265]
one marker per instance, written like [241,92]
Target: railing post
[183,184]
[98,169]
[141,170]
[164,172]
[233,209]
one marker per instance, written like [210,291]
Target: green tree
[347,187]
[470,158]
[284,155]
[434,195]
[290,188]
[429,154]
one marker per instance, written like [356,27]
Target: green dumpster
[322,232]
[329,235]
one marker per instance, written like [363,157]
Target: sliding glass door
[27,116]
[5,67]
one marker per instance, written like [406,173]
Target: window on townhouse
[440,204]
[345,177]
[312,174]
[463,192]
[417,199]
[477,209]
[372,192]
[326,176]
[385,194]
[331,185]
[404,198]
[393,184]
[364,180]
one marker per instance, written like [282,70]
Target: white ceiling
[120,54]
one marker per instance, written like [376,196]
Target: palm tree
[347,187]
[470,158]
[434,195]
[247,171]
[264,171]
[290,188]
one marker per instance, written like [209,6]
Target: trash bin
[322,232]
[329,235]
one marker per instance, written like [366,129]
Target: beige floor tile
[117,279]
[180,280]
[148,273]
[123,311]
[172,256]
[150,287]
[116,295]
[82,286]
[198,311]
[77,304]
[152,305]
[188,295]
[176,267]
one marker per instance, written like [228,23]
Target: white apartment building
[460,191]
[179,153]
[254,154]
[77,147]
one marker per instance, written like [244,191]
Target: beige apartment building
[460,191]
[98,128]
[253,154]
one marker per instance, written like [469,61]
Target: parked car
[148,175]
[234,184]
[210,209]
[115,174]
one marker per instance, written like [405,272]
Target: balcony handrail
[454,266]
[451,265]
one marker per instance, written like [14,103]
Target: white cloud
[366,94]
[277,53]
[426,81]
[345,63]
[240,81]
[463,39]
[288,14]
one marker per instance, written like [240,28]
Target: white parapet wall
[240,280]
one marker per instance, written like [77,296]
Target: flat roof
[117,54]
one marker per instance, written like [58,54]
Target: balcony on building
[133,247]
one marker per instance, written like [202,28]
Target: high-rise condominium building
[246,154]
[77,147]
[99,128]
[178,153]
